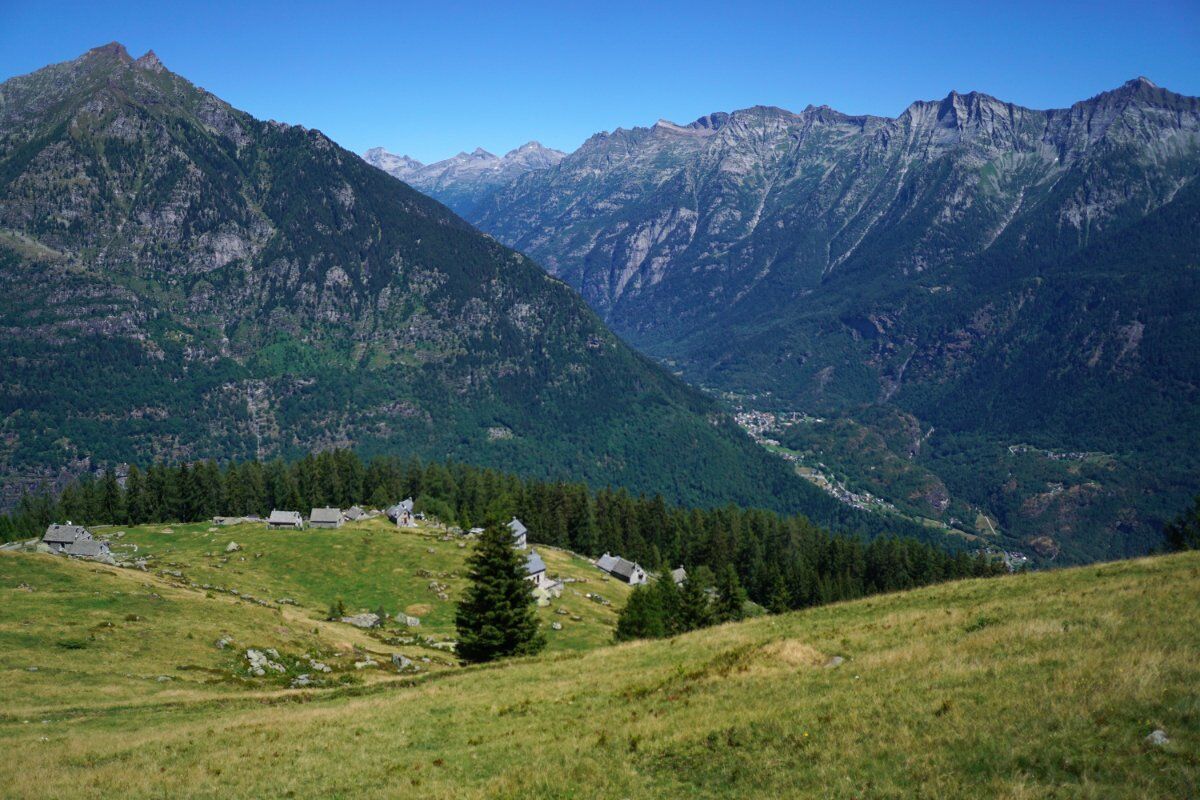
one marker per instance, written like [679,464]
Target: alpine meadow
[849,452]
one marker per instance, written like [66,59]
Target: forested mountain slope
[179,280]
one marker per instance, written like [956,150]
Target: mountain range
[461,182]
[997,303]
[180,280]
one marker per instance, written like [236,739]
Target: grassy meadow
[1029,686]
[367,565]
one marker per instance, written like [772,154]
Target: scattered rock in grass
[300,681]
[367,620]
[403,663]
[286,601]
[447,646]
[836,661]
[224,642]
[259,663]
[556,626]
[1157,737]
[24,587]
[164,679]
[365,664]
[319,666]
[232,547]
[561,611]
[31,669]
[412,622]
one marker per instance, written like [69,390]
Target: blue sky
[431,79]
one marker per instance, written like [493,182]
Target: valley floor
[1028,686]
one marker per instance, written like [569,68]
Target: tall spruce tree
[695,607]
[497,615]
[731,597]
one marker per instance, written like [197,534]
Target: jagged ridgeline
[180,280]
[1000,275]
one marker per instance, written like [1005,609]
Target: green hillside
[1038,685]
[247,289]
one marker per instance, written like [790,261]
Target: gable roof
[65,534]
[325,515]
[534,563]
[284,517]
[354,512]
[517,528]
[615,565]
[679,575]
[400,508]
[624,569]
[88,548]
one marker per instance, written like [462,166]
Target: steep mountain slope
[1001,275]
[180,280]
[464,181]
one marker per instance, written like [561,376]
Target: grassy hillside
[113,633]
[367,565]
[1040,685]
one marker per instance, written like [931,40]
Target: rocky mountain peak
[110,50]
[151,62]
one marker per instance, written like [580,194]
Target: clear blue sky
[431,79]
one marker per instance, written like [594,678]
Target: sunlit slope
[1030,686]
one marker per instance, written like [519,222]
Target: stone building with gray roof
[59,537]
[282,520]
[520,533]
[628,571]
[325,518]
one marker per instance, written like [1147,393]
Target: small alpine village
[639,567]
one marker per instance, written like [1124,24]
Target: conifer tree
[695,608]
[731,597]
[112,501]
[642,616]
[669,602]
[137,505]
[497,615]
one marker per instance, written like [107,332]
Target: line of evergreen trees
[782,562]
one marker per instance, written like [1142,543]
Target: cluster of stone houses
[328,517]
[74,540]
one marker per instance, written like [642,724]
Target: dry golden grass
[1032,686]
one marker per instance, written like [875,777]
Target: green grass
[1030,686]
[367,565]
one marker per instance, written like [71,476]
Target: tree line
[781,562]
